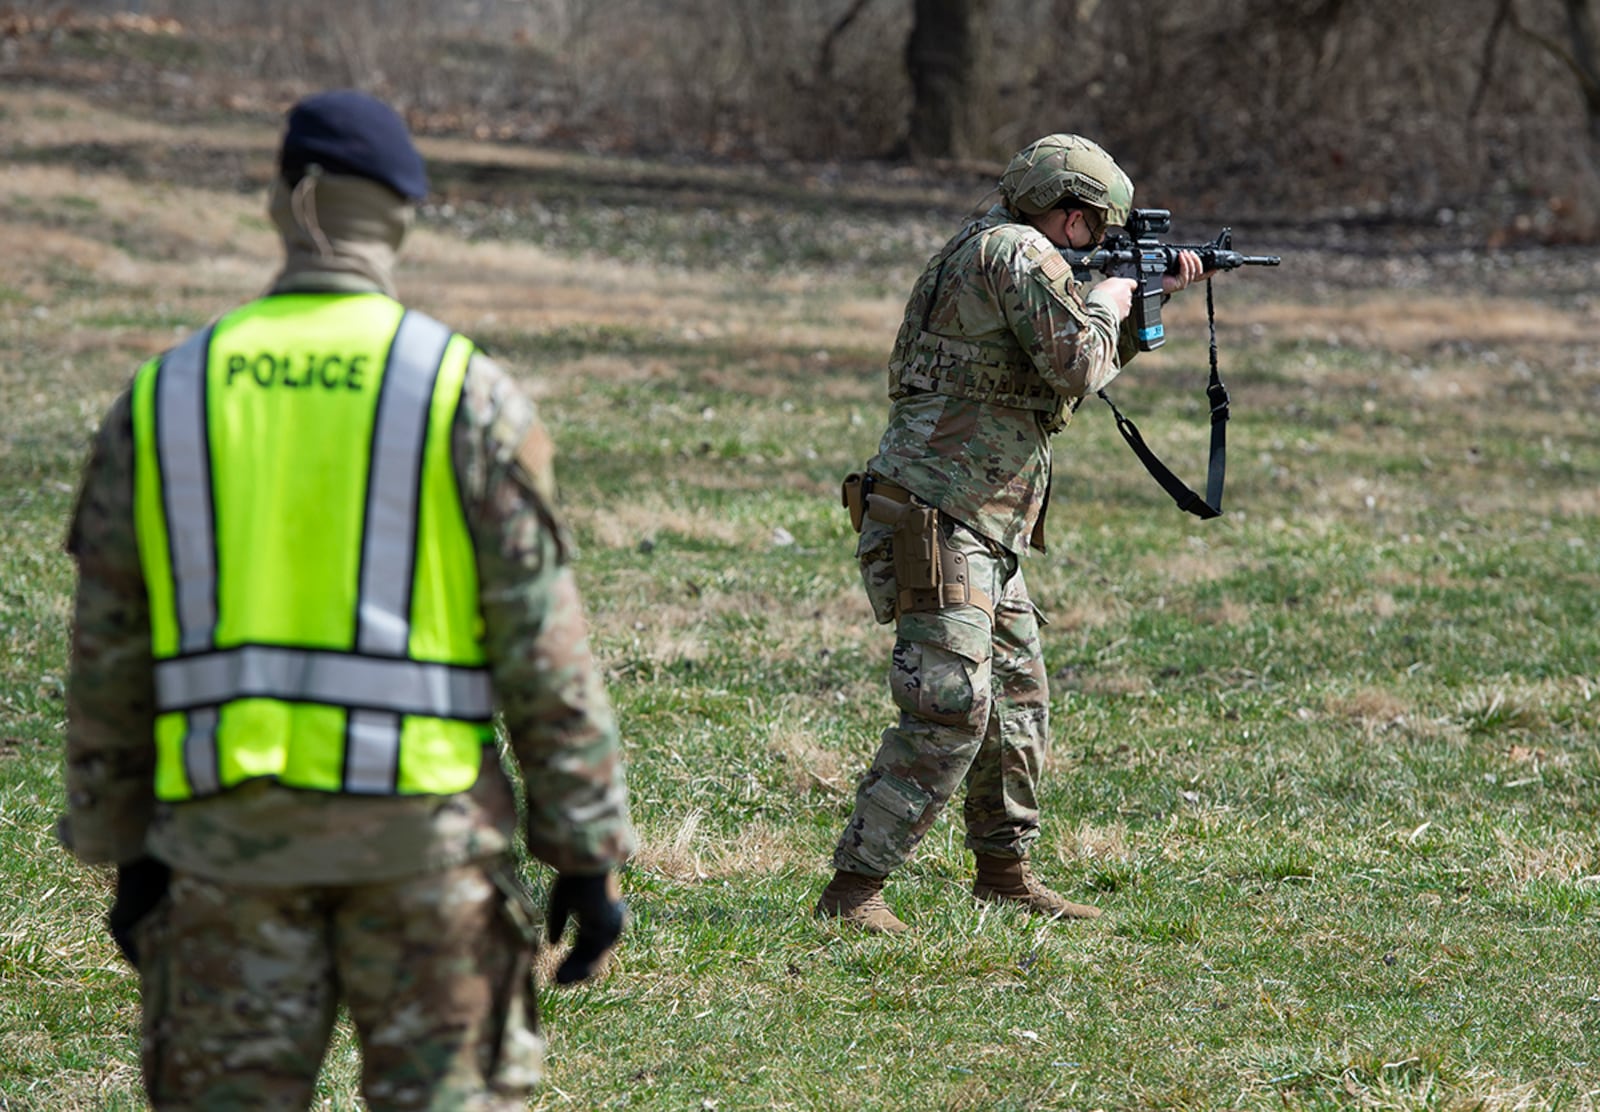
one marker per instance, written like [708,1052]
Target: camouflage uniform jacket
[1000,289]
[549,690]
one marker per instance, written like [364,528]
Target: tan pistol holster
[929,574]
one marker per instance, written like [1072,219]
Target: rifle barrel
[1228,260]
[1129,255]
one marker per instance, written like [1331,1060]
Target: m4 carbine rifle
[1136,253]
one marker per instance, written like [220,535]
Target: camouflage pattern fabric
[241,986]
[1001,286]
[974,709]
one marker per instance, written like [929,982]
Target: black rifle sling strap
[1217,394]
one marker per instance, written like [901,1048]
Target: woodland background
[1476,119]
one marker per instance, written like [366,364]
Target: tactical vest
[994,373]
[313,590]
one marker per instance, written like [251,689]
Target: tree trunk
[1585,65]
[948,58]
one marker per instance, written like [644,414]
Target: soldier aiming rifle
[1136,253]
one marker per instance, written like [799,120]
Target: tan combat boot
[858,901]
[1010,880]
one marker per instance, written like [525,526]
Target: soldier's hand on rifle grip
[596,903]
[1115,294]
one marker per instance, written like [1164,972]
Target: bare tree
[1580,54]
[948,57]
[825,54]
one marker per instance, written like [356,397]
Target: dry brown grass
[1087,842]
[1373,707]
[1197,562]
[516,286]
[1076,610]
[628,524]
[812,766]
[681,851]
[1408,324]
[222,262]
[218,248]
[1554,857]
[1111,681]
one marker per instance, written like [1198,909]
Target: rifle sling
[1217,394]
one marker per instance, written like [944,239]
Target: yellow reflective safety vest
[314,612]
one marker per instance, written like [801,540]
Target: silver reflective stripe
[200,752]
[322,676]
[185,458]
[372,752]
[389,538]
[388,547]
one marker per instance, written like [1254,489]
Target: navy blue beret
[349,132]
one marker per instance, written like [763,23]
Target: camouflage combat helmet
[1049,169]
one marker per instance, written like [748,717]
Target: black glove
[596,904]
[140,886]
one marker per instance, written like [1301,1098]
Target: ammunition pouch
[991,373]
[1059,419]
[852,496]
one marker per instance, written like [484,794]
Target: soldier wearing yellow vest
[317,553]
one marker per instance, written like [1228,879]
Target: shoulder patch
[1054,267]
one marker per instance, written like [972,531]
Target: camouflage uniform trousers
[241,986]
[974,708]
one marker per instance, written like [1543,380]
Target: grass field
[1329,764]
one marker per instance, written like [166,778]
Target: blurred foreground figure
[997,343]
[317,551]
